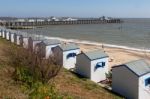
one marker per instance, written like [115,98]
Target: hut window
[100,64]
[147,81]
[71,55]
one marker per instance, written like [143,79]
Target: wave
[97,44]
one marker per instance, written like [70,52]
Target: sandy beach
[117,55]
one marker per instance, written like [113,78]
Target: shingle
[97,54]
[51,42]
[139,67]
[66,47]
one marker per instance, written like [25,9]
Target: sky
[75,8]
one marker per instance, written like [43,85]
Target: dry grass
[8,88]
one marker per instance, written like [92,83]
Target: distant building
[132,80]
[49,20]
[70,19]
[20,20]
[65,55]
[54,19]
[40,20]
[93,65]
[31,20]
[44,47]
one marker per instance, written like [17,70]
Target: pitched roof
[51,42]
[67,47]
[96,54]
[138,67]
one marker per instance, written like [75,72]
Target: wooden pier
[15,24]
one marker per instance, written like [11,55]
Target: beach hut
[44,47]
[19,39]
[13,37]
[26,38]
[65,55]
[26,41]
[3,33]
[8,35]
[93,65]
[33,41]
[132,80]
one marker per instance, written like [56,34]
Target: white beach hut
[44,47]
[1,32]
[132,80]
[26,41]
[93,65]
[19,39]
[33,41]
[13,37]
[65,55]
[8,35]
[4,33]
[26,37]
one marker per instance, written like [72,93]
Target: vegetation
[27,75]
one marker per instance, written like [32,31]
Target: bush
[34,72]
[41,69]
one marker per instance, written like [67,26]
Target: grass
[68,84]
[80,88]
[8,87]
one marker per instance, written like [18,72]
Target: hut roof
[37,38]
[51,42]
[67,47]
[96,54]
[138,67]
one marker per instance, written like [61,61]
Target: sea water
[133,33]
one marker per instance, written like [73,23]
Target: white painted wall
[0,32]
[18,40]
[71,62]
[3,34]
[7,35]
[144,91]
[25,42]
[125,82]
[99,74]
[83,66]
[12,37]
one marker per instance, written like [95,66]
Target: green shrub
[44,91]
[23,75]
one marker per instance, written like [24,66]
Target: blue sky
[77,8]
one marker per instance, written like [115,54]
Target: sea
[133,33]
